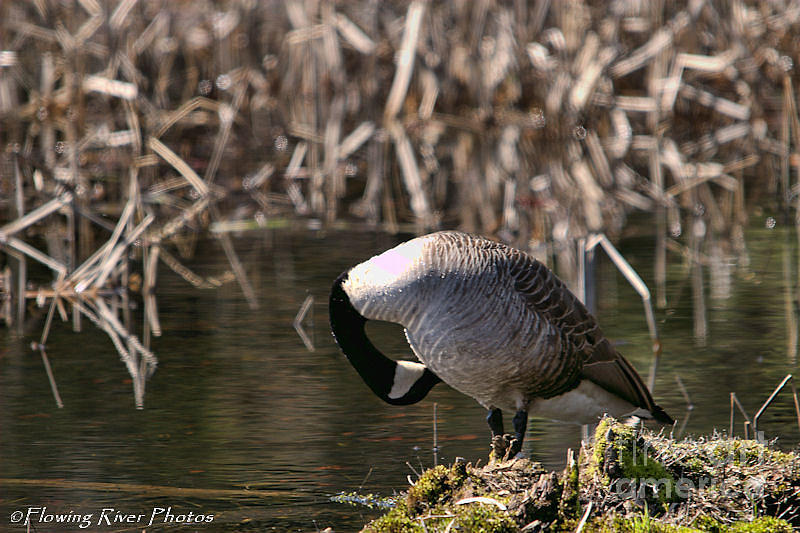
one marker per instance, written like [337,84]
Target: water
[239,402]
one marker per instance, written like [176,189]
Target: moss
[429,487]
[473,517]
[642,523]
[766,524]
[600,444]
[627,465]
[435,485]
[395,521]
[637,524]
[741,452]
[569,505]
[711,454]
[706,523]
[695,465]
[479,518]
[430,506]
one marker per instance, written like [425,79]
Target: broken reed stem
[22,271]
[33,253]
[41,347]
[148,288]
[735,401]
[227,114]
[796,402]
[34,216]
[115,255]
[108,322]
[179,164]
[411,174]
[49,321]
[405,59]
[50,377]
[585,517]
[111,319]
[101,255]
[641,288]
[298,322]
[435,435]
[236,265]
[180,269]
[303,311]
[772,396]
[685,392]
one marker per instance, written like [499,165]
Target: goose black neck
[377,370]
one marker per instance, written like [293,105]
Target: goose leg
[520,422]
[500,441]
[495,421]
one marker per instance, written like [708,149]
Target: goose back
[473,309]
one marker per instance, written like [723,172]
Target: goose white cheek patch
[406,374]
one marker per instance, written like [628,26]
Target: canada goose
[491,322]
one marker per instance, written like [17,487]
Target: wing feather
[599,362]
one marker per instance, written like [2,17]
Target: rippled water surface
[238,401]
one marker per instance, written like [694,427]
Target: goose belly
[585,404]
[498,363]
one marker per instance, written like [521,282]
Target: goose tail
[659,415]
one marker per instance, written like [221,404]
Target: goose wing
[548,296]
[606,367]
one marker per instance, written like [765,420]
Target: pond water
[239,402]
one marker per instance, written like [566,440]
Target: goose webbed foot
[506,446]
[501,445]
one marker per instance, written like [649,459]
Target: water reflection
[238,401]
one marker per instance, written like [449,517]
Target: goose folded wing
[607,368]
[548,296]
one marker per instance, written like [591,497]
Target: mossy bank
[627,480]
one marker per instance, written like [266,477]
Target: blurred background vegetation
[539,121]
